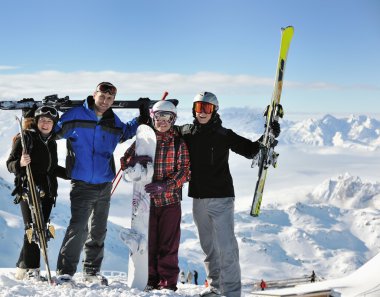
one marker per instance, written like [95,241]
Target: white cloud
[6,67]
[237,89]
[132,85]
[141,84]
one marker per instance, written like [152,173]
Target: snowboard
[137,236]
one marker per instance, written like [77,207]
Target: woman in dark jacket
[41,155]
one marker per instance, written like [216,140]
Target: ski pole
[116,176]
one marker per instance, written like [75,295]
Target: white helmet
[166,107]
[207,97]
[163,105]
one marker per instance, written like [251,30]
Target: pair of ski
[63,104]
[267,156]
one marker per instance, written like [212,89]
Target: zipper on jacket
[212,156]
[48,169]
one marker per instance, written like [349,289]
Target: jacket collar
[214,123]
[89,104]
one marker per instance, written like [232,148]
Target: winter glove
[275,126]
[156,188]
[262,146]
[143,160]
[144,117]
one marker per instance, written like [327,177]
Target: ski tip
[290,28]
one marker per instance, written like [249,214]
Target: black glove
[275,126]
[144,117]
[143,160]
[262,146]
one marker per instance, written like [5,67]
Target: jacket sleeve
[13,162]
[182,174]
[61,172]
[129,130]
[242,146]
[60,128]
[183,130]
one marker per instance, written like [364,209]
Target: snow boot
[20,273]
[210,292]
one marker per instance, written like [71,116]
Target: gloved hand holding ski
[143,160]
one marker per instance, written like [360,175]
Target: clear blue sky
[229,47]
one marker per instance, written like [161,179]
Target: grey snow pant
[90,205]
[214,218]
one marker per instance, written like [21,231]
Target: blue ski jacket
[91,142]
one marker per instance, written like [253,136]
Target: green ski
[267,156]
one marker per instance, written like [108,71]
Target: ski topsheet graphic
[267,156]
[137,237]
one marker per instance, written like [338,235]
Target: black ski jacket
[209,147]
[44,165]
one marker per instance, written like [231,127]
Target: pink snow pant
[164,237]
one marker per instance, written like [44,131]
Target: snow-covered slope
[334,230]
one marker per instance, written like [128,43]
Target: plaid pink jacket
[164,167]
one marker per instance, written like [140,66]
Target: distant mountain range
[355,131]
[351,132]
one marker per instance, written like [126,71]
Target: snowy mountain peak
[355,131]
[346,191]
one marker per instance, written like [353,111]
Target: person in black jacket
[41,155]
[212,188]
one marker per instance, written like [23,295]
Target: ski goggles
[166,116]
[106,87]
[46,111]
[203,107]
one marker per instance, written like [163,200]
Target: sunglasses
[106,87]
[166,116]
[203,107]
[47,110]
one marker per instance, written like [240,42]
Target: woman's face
[45,125]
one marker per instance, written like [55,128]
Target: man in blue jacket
[92,132]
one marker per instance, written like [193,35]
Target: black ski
[63,104]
